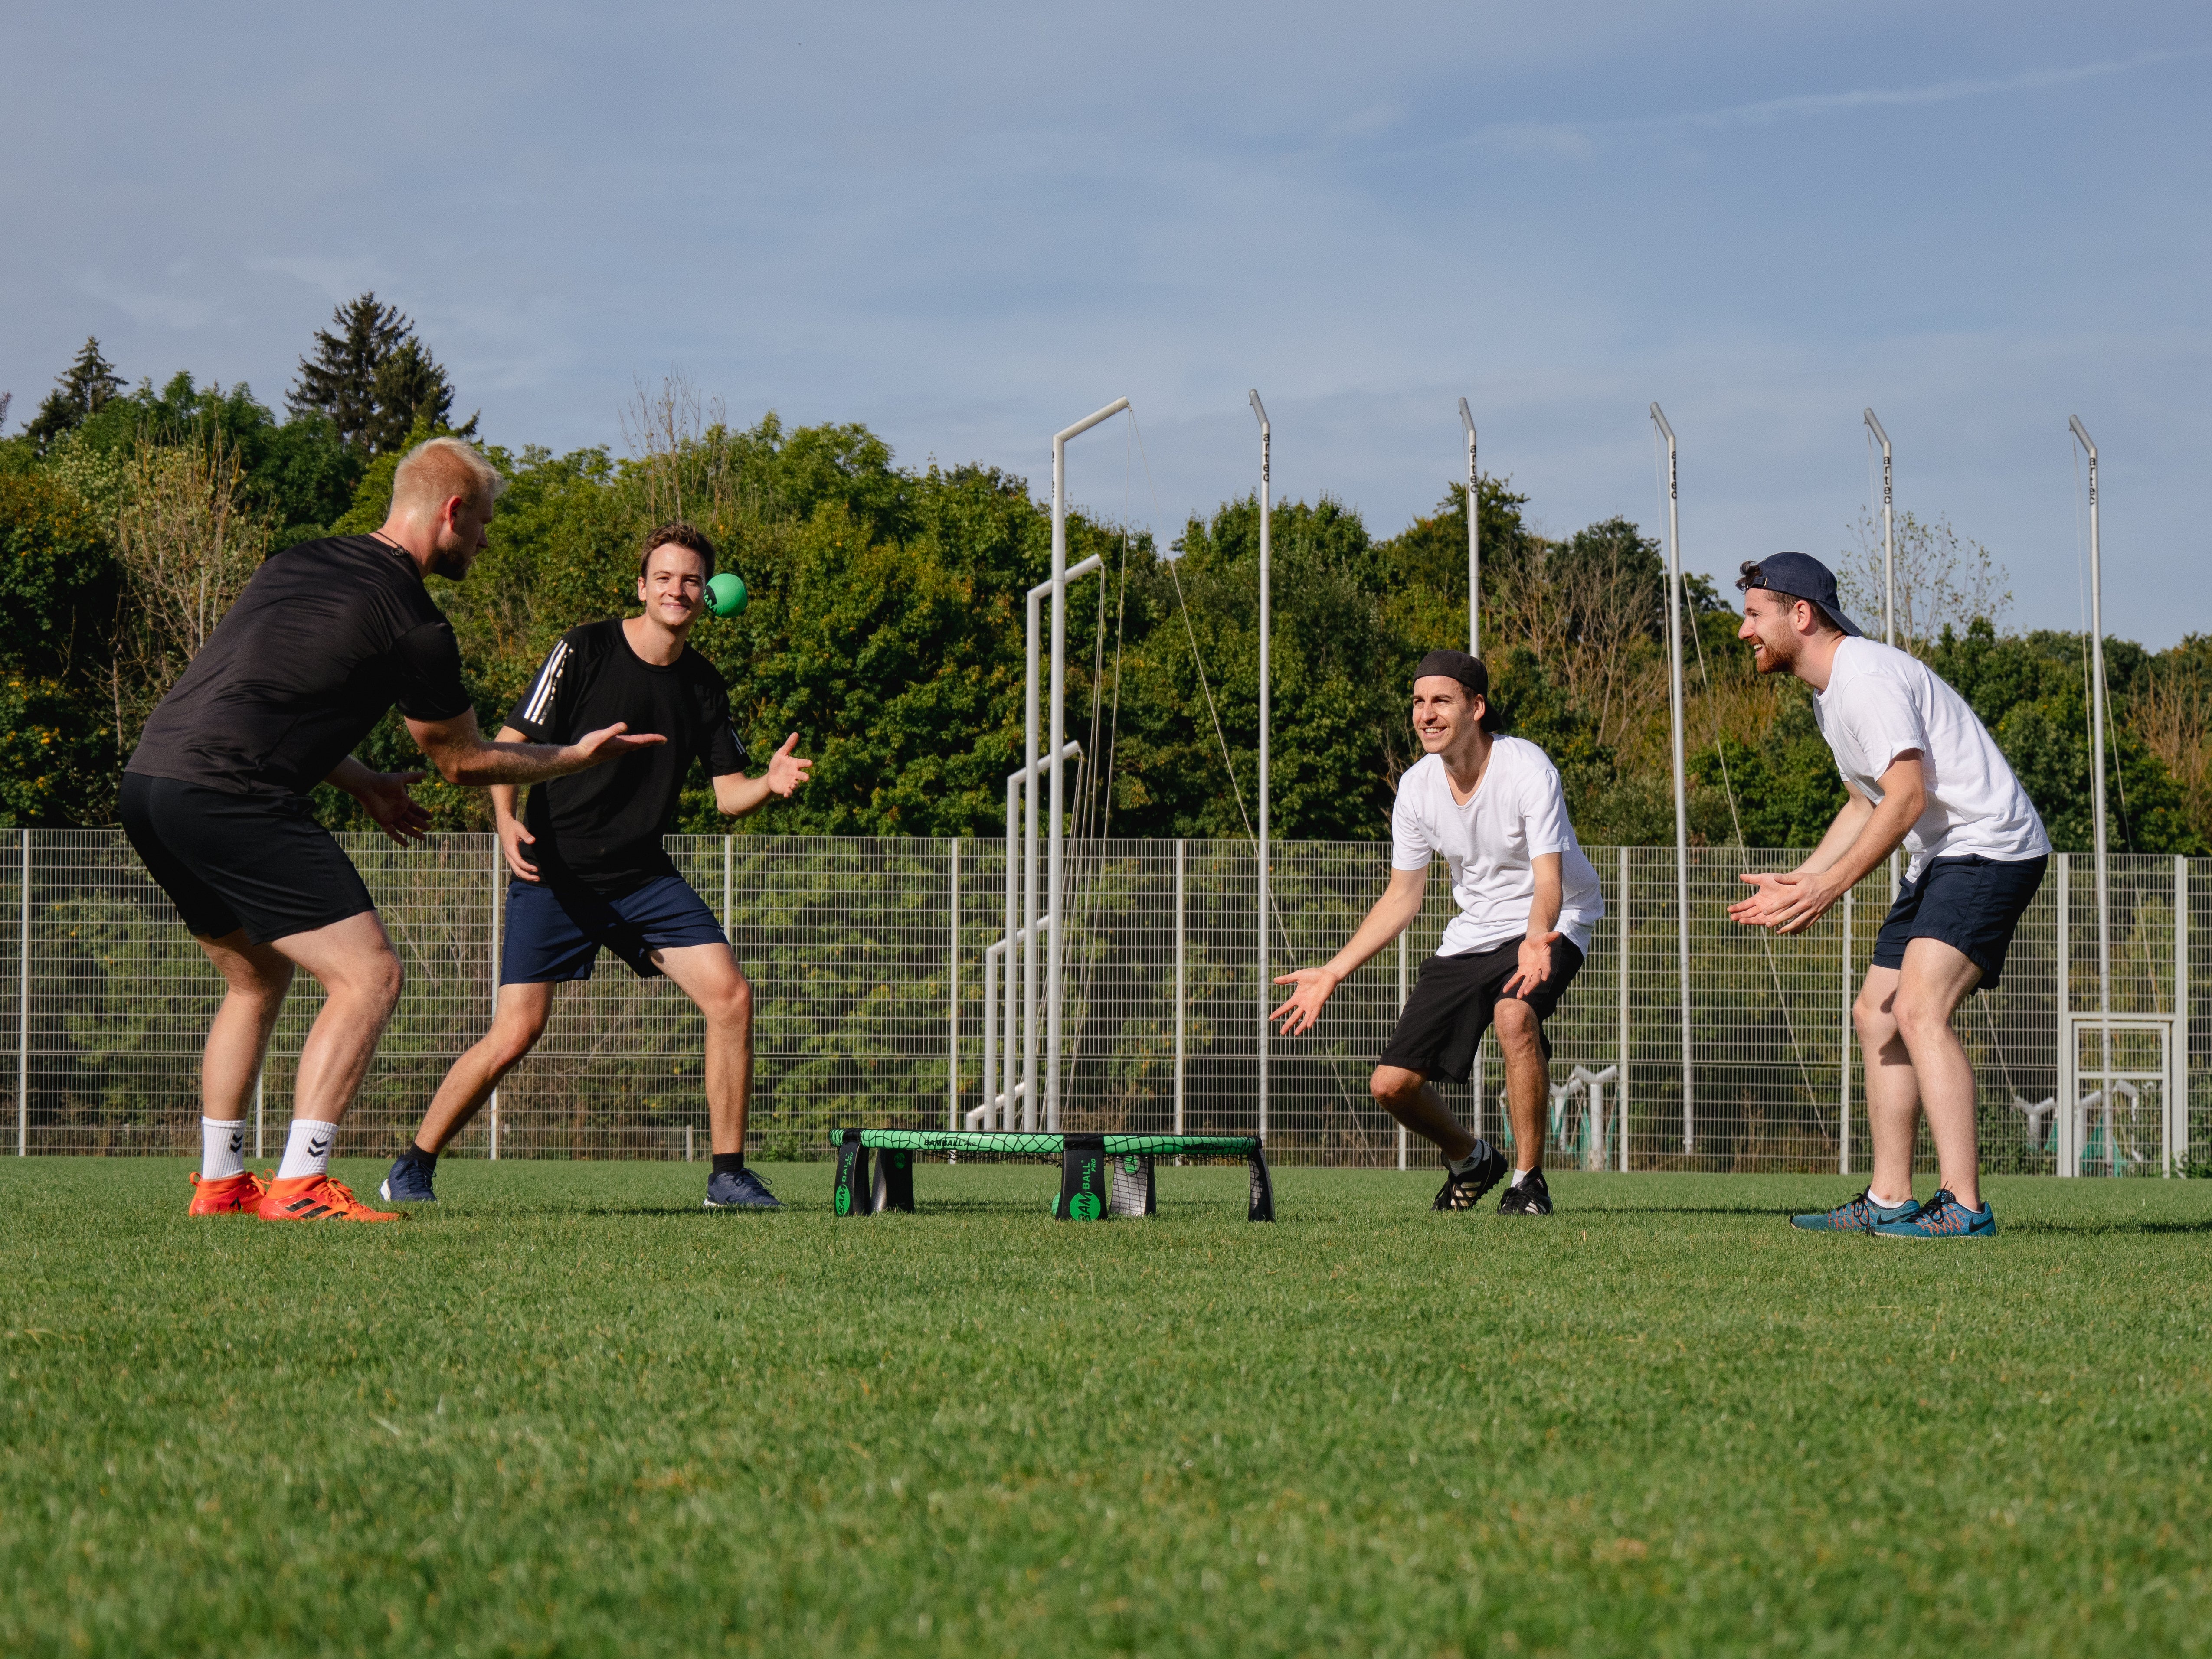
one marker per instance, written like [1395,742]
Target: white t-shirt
[1518,813]
[1880,703]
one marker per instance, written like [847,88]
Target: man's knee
[730,1005]
[1871,1016]
[1922,1018]
[1519,1030]
[1394,1085]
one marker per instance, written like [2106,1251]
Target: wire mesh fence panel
[869,998]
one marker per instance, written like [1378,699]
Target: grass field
[568,1412]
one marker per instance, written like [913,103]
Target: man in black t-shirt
[325,638]
[590,871]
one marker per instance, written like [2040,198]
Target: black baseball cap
[1798,576]
[1469,672]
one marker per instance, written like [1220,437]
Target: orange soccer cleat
[233,1195]
[316,1198]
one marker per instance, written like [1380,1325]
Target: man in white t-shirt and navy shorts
[1491,806]
[1922,772]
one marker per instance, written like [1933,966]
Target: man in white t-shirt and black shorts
[1492,807]
[1922,772]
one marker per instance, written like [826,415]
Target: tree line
[887,617]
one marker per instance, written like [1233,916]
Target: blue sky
[968,226]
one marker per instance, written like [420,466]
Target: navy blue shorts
[1970,904]
[557,933]
[1456,998]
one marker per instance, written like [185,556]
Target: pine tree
[79,392]
[372,377]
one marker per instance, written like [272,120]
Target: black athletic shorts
[556,933]
[1971,904]
[259,862]
[1443,1021]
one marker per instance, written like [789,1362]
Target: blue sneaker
[1942,1217]
[1858,1215]
[739,1189]
[408,1183]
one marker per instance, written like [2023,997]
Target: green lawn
[568,1412]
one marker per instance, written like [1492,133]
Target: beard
[1768,658]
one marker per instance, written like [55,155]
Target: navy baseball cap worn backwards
[1798,576]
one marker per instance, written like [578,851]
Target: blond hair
[439,469]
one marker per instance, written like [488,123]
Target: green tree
[80,392]
[372,378]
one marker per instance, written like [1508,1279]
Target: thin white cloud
[1579,140]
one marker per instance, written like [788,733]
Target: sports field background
[568,1412]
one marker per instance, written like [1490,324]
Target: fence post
[2062,1005]
[258,1138]
[1620,1083]
[1844,1071]
[23,1016]
[1401,1008]
[1179,970]
[498,863]
[952,1016]
[2176,1106]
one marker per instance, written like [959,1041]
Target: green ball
[726,594]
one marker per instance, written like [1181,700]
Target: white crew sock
[1519,1175]
[306,1149]
[1480,1152]
[222,1149]
[1888,1203]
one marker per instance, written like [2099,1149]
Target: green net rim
[1017,1143]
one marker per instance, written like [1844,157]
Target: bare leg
[709,976]
[354,961]
[517,1021]
[238,1042]
[1412,1100]
[1527,1080]
[1934,979]
[1892,1092]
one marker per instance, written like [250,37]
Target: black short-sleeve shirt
[327,637]
[602,827]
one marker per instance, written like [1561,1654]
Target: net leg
[852,1195]
[1133,1192]
[893,1188]
[1083,1180]
[1262,1205]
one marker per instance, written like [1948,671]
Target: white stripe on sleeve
[549,677]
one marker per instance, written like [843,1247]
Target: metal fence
[865,956]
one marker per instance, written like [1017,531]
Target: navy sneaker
[408,1183]
[739,1189]
[1942,1217]
[1860,1214]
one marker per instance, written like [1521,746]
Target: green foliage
[82,391]
[373,380]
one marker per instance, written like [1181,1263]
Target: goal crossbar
[1101,1175]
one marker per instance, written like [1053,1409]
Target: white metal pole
[1620,1086]
[1888,539]
[952,1014]
[1473,541]
[23,1014]
[2097,769]
[1681,786]
[729,914]
[1267,521]
[2177,1100]
[1844,1071]
[1403,1144]
[2068,1148]
[1179,970]
[498,865]
[1010,989]
[1056,873]
[1031,757]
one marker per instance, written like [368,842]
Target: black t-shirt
[602,827]
[327,636]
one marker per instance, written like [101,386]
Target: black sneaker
[739,1189]
[1529,1198]
[408,1183]
[1464,1190]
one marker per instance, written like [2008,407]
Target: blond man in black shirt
[325,638]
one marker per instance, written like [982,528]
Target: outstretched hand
[1299,1015]
[611,743]
[384,795]
[1784,904]
[786,771]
